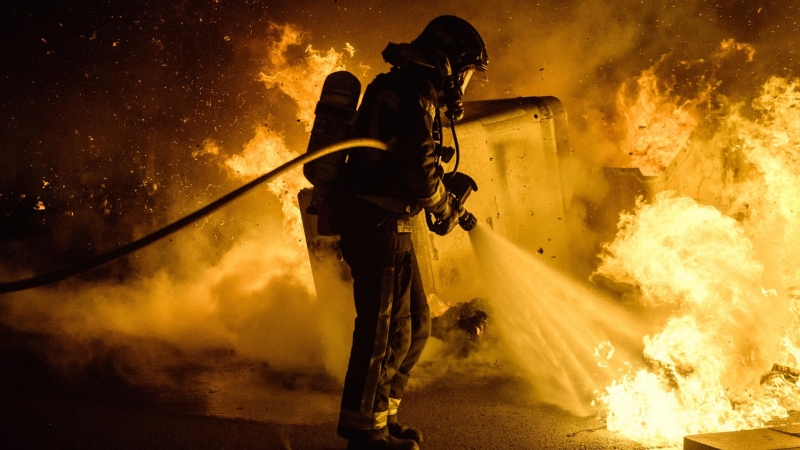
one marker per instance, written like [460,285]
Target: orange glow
[658,127]
[731,284]
[302,82]
[659,122]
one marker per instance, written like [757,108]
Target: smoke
[232,292]
[251,300]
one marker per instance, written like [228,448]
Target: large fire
[727,270]
[657,127]
[302,82]
[660,121]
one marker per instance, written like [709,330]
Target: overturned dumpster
[515,150]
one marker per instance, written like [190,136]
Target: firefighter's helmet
[458,40]
[454,49]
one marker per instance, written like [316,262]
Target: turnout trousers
[391,328]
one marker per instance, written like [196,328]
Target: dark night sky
[103,99]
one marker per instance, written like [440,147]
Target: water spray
[559,329]
[93,263]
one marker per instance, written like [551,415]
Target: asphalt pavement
[247,406]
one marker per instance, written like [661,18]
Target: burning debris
[462,327]
[726,275]
[666,111]
[788,374]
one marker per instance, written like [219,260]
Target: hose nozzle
[461,185]
[467,221]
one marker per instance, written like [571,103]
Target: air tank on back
[334,122]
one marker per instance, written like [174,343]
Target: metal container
[515,151]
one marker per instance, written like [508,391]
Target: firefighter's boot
[405,432]
[388,443]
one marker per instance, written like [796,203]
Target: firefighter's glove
[441,210]
[447,219]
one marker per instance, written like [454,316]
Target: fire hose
[127,249]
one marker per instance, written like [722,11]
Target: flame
[771,144]
[731,284]
[705,364]
[265,151]
[666,248]
[604,352]
[729,46]
[252,295]
[658,127]
[659,121]
[210,147]
[302,82]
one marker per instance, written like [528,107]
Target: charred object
[462,327]
[789,374]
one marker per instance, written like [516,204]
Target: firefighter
[383,190]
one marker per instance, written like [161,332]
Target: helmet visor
[471,73]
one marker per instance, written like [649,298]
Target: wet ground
[235,405]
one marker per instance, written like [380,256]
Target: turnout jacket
[398,108]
